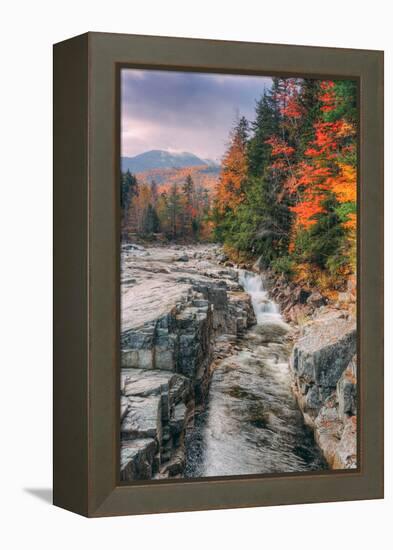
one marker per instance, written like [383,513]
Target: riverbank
[323,363]
[202,382]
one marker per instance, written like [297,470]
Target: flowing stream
[251,423]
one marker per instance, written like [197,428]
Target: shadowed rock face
[172,312]
[137,458]
[323,353]
[323,363]
[159,404]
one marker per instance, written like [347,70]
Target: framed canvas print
[218,260]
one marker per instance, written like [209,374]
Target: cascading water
[252,424]
[265,310]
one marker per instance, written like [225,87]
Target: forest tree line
[287,189]
[179,212]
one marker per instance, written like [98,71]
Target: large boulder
[323,365]
[322,354]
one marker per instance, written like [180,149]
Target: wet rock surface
[324,365]
[252,424]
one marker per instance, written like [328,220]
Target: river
[251,423]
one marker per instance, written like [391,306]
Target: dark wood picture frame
[86,274]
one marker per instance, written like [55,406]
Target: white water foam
[266,311]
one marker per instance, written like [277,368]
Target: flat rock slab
[325,331]
[140,382]
[150,300]
[153,284]
[143,383]
[143,418]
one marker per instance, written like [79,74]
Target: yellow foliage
[344,185]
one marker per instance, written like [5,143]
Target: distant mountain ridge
[157,158]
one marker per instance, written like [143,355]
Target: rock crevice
[167,349]
[323,365]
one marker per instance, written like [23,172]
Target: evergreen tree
[129,189]
[322,244]
[288,192]
[188,204]
[264,126]
[154,191]
[151,222]
[310,106]
[174,210]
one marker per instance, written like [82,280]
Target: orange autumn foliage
[279,147]
[288,100]
[344,184]
[325,171]
[166,177]
[307,209]
[230,192]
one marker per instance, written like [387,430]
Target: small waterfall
[265,310]
[252,423]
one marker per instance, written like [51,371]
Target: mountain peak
[158,158]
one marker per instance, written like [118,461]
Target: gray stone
[136,459]
[146,385]
[142,358]
[183,258]
[171,315]
[178,419]
[346,450]
[313,398]
[322,355]
[179,389]
[143,419]
[221,258]
[175,465]
[347,389]
[299,295]
[124,407]
[316,300]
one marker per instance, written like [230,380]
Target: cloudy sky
[180,111]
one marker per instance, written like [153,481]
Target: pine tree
[174,210]
[151,223]
[129,190]
[188,205]
[264,126]
[154,191]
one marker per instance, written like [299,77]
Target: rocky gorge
[175,309]
[216,381]
[323,365]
